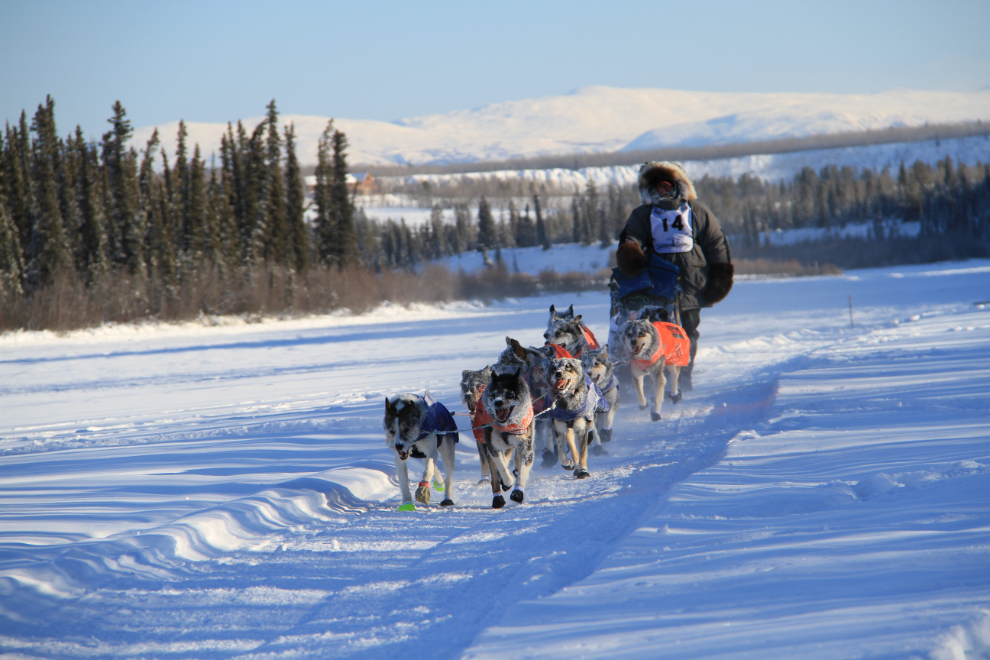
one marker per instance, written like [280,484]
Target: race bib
[672,231]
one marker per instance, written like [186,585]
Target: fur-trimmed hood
[653,172]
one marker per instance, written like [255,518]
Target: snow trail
[194,493]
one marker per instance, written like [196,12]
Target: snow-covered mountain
[607,119]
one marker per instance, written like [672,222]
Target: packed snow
[600,119]
[222,488]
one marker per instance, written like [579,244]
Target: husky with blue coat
[598,365]
[577,401]
[421,427]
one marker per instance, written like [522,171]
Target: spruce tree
[180,190]
[199,238]
[297,250]
[486,226]
[256,184]
[21,189]
[345,247]
[438,235]
[542,235]
[121,171]
[323,198]
[277,226]
[48,251]
[11,261]
[92,257]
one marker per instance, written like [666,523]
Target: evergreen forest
[96,231]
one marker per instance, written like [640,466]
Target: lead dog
[577,402]
[653,349]
[420,427]
[598,365]
[508,403]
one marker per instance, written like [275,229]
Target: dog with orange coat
[659,350]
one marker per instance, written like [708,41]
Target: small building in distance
[361,183]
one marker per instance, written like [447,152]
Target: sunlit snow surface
[193,491]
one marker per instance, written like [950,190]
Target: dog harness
[675,347]
[593,403]
[610,384]
[437,420]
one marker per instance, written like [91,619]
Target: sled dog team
[564,394]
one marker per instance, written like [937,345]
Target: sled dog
[473,383]
[507,401]
[654,348]
[556,319]
[577,402]
[420,427]
[533,362]
[598,365]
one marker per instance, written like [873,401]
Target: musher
[673,225]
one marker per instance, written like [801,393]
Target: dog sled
[653,294]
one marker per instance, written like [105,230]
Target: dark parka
[710,246]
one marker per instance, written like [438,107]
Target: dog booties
[675,347]
[437,420]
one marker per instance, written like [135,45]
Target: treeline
[947,199]
[139,234]
[588,217]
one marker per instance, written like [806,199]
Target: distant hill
[607,119]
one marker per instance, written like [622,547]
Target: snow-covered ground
[215,492]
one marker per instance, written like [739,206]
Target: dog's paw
[484,481]
[447,502]
[606,435]
[423,494]
[597,450]
[581,473]
[407,506]
[505,486]
[655,416]
[438,485]
[644,406]
[567,466]
[498,502]
[675,397]
[516,496]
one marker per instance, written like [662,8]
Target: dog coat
[589,337]
[437,420]
[593,403]
[675,347]
[559,351]
[482,419]
[610,384]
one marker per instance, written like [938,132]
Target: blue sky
[219,61]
